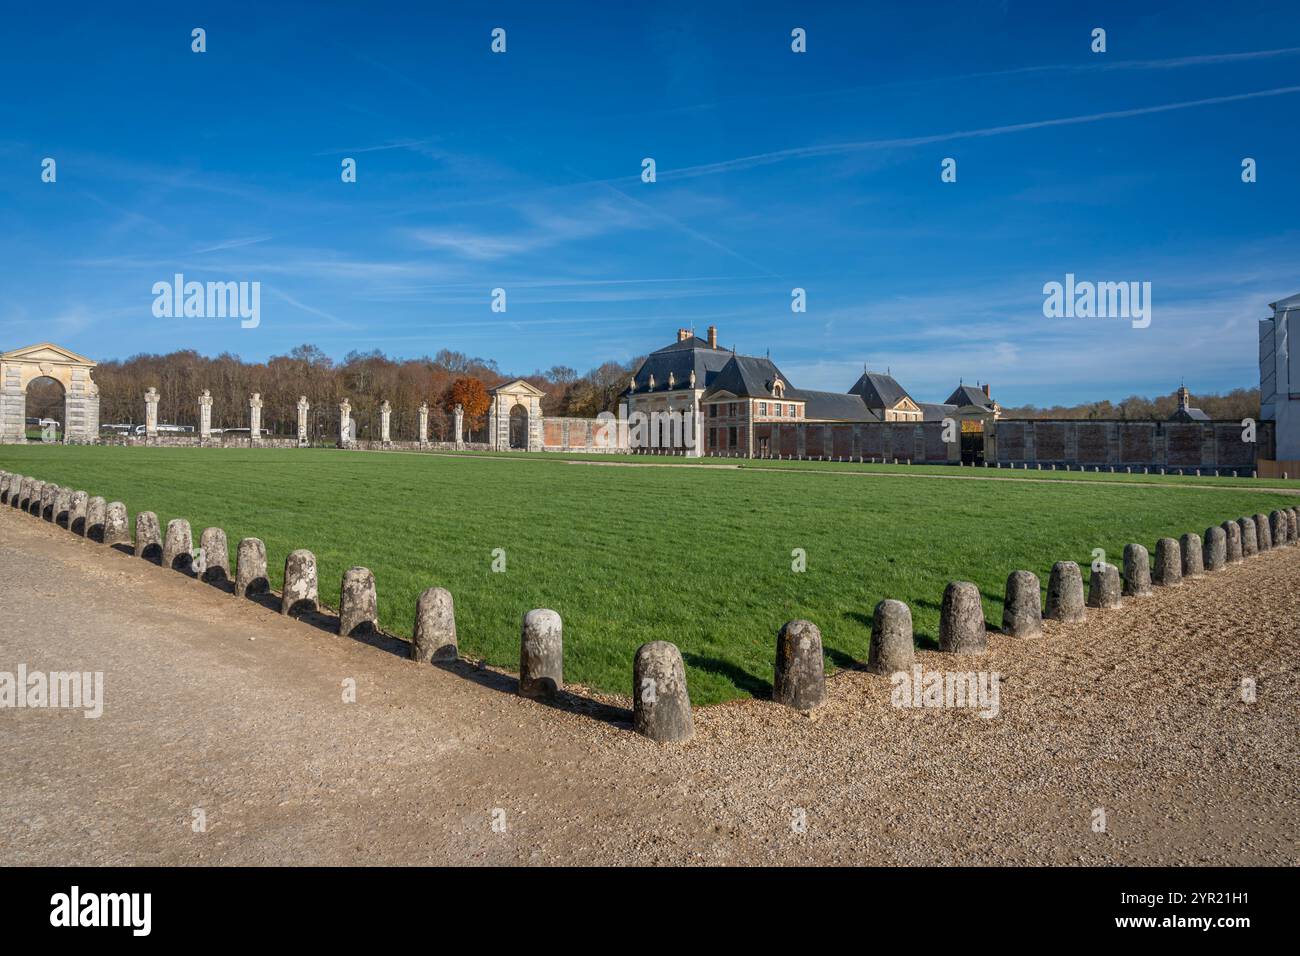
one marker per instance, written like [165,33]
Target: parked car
[169,429]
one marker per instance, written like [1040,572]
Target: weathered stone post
[216,555]
[1249,543]
[345,423]
[1292,526]
[1137,571]
[1169,563]
[304,406]
[148,537]
[1216,548]
[49,493]
[178,546]
[385,419]
[255,419]
[1065,592]
[424,424]
[63,506]
[117,524]
[35,498]
[435,627]
[1232,535]
[151,414]
[1277,527]
[1193,559]
[300,595]
[96,518]
[1263,540]
[19,499]
[541,654]
[458,413]
[961,620]
[77,512]
[1104,587]
[205,417]
[892,644]
[800,670]
[250,568]
[358,603]
[1022,609]
[661,705]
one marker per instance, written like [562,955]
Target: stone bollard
[1104,587]
[117,524]
[1022,614]
[148,537]
[178,546]
[1137,571]
[5,480]
[32,503]
[892,644]
[1065,592]
[961,620]
[1216,548]
[63,506]
[1169,563]
[1263,540]
[299,595]
[435,627]
[1277,527]
[1249,543]
[1292,526]
[216,556]
[96,514]
[358,604]
[250,568]
[49,492]
[1193,561]
[13,490]
[661,705]
[1232,537]
[18,494]
[77,513]
[541,654]
[800,680]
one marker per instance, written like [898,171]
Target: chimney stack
[986,390]
[683,335]
[713,336]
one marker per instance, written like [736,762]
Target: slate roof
[931,412]
[1189,414]
[832,406]
[878,390]
[969,395]
[749,377]
[680,359]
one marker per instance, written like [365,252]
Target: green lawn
[700,557]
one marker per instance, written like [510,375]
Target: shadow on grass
[738,677]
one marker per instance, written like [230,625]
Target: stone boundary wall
[585,435]
[661,707]
[916,442]
[1169,446]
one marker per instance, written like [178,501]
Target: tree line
[1230,406]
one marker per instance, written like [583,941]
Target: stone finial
[1249,543]
[345,407]
[1215,548]
[1169,563]
[385,406]
[96,518]
[961,620]
[303,404]
[892,643]
[1104,586]
[631,384]
[151,395]
[435,627]
[205,399]
[178,546]
[672,380]
[692,378]
[1137,571]
[1065,592]
[255,400]
[216,555]
[358,603]
[148,537]
[800,669]
[300,594]
[1193,559]
[250,568]
[1022,614]
[652,382]
[1232,537]
[117,525]
[541,654]
[661,705]
[1263,540]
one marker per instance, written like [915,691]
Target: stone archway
[505,400]
[519,428]
[19,368]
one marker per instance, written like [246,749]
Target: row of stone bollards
[661,708]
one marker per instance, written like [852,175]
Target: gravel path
[220,705]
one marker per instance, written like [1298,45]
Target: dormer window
[778,388]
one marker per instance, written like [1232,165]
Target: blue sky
[775,170]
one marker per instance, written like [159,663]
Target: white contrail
[833,149]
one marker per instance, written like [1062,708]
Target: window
[762,408]
[731,438]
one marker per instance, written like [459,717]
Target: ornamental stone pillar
[459,413]
[385,417]
[424,423]
[151,414]
[303,407]
[345,423]
[534,442]
[205,416]
[255,418]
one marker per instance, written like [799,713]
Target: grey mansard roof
[680,359]
[878,390]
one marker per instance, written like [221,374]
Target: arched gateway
[21,367]
[512,402]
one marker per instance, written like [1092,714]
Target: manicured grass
[700,557]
